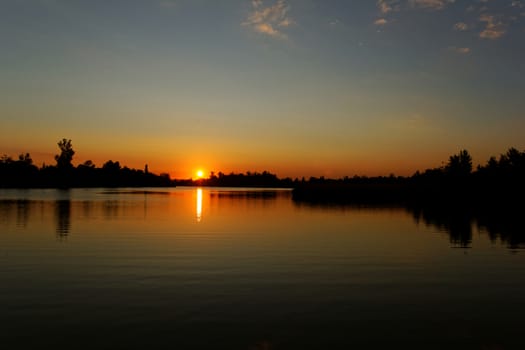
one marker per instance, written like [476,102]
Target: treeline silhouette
[499,181]
[248,179]
[22,173]
[451,198]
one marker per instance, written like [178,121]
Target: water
[194,268]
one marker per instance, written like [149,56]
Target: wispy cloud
[461,26]
[494,24]
[386,6]
[431,4]
[494,28]
[460,50]
[269,20]
[334,22]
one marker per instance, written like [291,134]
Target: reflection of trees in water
[110,209]
[19,208]
[248,198]
[63,217]
[87,208]
[455,222]
[265,194]
[506,226]
[22,212]
[5,208]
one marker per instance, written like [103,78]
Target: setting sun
[200,173]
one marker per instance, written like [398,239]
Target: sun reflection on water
[199,205]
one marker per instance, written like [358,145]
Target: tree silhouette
[111,166]
[25,158]
[88,164]
[513,160]
[459,164]
[65,157]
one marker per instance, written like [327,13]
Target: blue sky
[299,87]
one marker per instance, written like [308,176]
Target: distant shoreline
[456,182]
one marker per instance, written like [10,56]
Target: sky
[297,87]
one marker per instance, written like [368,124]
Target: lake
[188,268]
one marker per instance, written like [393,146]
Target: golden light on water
[199,205]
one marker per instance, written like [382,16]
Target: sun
[200,174]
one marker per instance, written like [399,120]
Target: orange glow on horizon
[185,167]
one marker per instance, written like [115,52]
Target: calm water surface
[194,268]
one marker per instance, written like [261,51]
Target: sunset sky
[297,87]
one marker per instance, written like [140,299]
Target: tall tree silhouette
[459,164]
[65,157]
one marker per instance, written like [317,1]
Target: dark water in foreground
[219,269]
